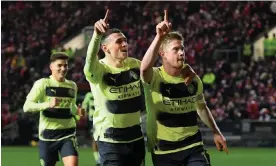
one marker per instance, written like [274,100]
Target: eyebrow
[121,38]
[182,47]
[59,64]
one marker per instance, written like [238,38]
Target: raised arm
[92,64]
[162,29]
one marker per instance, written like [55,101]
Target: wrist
[159,37]
[47,105]
[97,35]
[216,131]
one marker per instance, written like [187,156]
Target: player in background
[173,106]
[55,98]
[88,105]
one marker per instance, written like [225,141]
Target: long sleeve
[86,101]
[74,106]
[149,59]
[203,111]
[34,102]
[93,68]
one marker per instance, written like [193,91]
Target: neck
[59,79]
[118,63]
[175,72]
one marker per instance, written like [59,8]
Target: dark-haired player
[55,98]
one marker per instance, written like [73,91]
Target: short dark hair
[108,33]
[171,36]
[58,55]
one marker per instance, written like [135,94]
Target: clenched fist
[54,102]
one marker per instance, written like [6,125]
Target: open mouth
[125,51]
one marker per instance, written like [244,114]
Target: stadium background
[229,44]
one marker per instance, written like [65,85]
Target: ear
[161,53]
[51,66]
[105,48]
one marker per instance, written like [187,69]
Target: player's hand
[188,74]
[220,142]
[102,25]
[80,111]
[54,102]
[163,28]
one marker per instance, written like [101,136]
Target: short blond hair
[171,36]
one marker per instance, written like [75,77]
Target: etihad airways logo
[125,88]
[179,102]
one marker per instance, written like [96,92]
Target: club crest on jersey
[133,75]
[191,88]
[71,92]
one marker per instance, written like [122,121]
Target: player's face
[59,68]
[173,54]
[117,46]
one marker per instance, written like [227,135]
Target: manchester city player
[173,105]
[55,98]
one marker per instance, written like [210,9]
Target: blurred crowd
[31,31]
[240,91]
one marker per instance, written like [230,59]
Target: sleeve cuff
[45,105]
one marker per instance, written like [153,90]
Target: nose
[181,52]
[63,68]
[124,44]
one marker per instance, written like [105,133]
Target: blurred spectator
[247,51]
[264,115]
[208,79]
[268,48]
[32,30]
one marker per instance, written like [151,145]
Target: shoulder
[101,61]
[130,59]
[72,83]
[41,81]
[132,62]
[157,69]
[198,79]
[156,75]
[199,84]
[40,84]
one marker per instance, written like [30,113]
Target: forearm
[31,106]
[207,118]
[149,58]
[91,57]
[74,109]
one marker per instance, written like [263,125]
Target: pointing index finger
[225,149]
[106,15]
[166,15]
